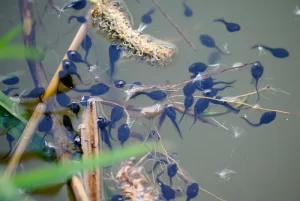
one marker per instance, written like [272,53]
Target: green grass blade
[8,105]
[59,173]
[10,35]
[19,52]
[14,123]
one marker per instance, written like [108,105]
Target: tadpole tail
[176,126]
[81,90]
[160,161]
[109,131]
[256,83]
[222,52]
[222,82]
[222,88]
[195,119]
[161,120]
[231,108]
[6,92]
[250,123]
[105,138]
[182,115]
[171,181]
[79,77]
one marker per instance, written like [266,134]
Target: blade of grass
[19,52]
[57,173]
[10,35]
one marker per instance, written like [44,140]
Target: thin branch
[174,25]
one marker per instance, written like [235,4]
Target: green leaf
[19,52]
[10,35]
[14,123]
[54,174]
[10,106]
[8,192]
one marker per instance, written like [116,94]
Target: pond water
[233,160]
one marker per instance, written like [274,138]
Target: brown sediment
[134,184]
[113,23]
[91,147]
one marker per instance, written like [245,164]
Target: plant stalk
[91,147]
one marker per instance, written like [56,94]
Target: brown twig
[174,25]
[91,147]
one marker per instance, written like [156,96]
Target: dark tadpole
[158,162]
[123,133]
[116,115]
[257,70]
[266,118]
[157,95]
[209,42]
[105,137]
[45,126]
[167,192]
[75,108]
[200,106]
[95,90]
[171,114]
[218,101]
[75,57]
[119,83]
[172,171]
[192,191]
[196,68]
[86,44]
[76,4]
[66,79]
[35,93]
[147,18]
[114,55]
[188,102]
[188,12]
[12,80]
[67,122]
[117,198]
[80,19]
[62,99]
[189,89]
[230,26]
[70,68]
[276,52]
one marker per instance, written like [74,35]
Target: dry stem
[174,25]
[91,147]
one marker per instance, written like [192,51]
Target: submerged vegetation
[41,120]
